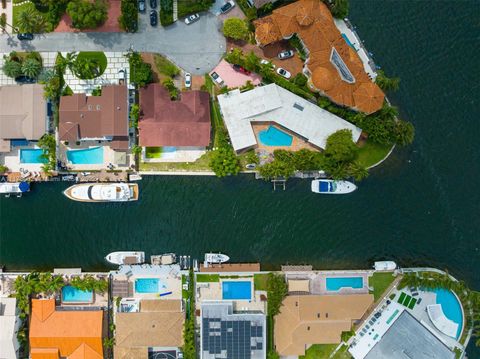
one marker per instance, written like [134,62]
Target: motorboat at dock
[385,265]
[15,188]
[163,259]
[103,192]
[215,258]
[326,186]
[126,257]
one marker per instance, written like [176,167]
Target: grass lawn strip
[199,165]
[407,301]
[380,282]
[371,153]
[412,303]
[153,152]
[208,278]
[97,56]
[184,291]
[402,297]
[260,281]
[318,351]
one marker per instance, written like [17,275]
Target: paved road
[197,48]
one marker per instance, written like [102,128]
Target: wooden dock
[231,267]
[102,176]
[29,177]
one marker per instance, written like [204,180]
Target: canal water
[420,208]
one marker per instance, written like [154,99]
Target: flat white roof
[272,103]
[9,324]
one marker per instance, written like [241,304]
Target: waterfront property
[333,67]
[72,295]
[231,335]
[273,104]
[173,131]
[237,290]
[305,320]
[93,130]
[23,120]
[72,333]
[9,324]
[335,284]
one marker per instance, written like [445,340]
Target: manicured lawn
[202,278]
[380,282]
[371,153]
[260,281]
[323,351]
[199,165]
[184,292]
[165,66]
[187,7]
[97,56]
[153,152]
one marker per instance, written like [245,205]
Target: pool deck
[12,160]
[298,143]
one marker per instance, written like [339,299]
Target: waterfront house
[95,123]
[9,325]
[180,128]
[333,67]
[246,114]
[54,333]
[229,334]
[305,320]
[23,120]
[149,327]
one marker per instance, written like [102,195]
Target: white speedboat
[126,257]
[216,258]
[385,265]
[15,188]
[163,259]
[326,186]
[103,192]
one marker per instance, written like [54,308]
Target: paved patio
[298,143]
[233,78]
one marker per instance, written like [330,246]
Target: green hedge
[188,7]
[166,12]
[128,20]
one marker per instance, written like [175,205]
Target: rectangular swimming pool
[73,295]
[149,285]
[32,155]
[237,290]
[336,283]
[86,156]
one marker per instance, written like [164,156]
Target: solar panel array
[232,339]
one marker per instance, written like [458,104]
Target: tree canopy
[339,8]
[140,72]
[86,14]
[224,162]
[235,28]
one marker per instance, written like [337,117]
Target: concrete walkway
[197,48]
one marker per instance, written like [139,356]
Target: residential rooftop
[9,325]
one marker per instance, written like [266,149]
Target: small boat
[126,257]
[163,259]
[326,186]
[385,265]
[134,177]
[216,258]
[16,188]
[103,192]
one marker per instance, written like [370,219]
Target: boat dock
[231,267]
[102,176]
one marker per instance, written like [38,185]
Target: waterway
[421,207]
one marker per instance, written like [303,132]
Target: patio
[233,78]
[298,143]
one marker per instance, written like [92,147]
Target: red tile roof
[173,123]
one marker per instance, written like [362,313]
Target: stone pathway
[175,10]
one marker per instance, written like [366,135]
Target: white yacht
[163,259]
[385,265]
[15,188]
[326,186]
[126,257]
[103,192]
[215,258]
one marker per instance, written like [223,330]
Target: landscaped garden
[321,351]
[18,64]
[153,152]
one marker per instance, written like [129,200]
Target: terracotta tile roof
[64,331]
[174,123]
[313,23]
[44,353]
[84,116]
[316,319]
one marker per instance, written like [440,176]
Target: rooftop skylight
[342,69]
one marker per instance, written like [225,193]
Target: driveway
[197,48]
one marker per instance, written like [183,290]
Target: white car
[266,62]
[284,73]
[192,18]
[188,80]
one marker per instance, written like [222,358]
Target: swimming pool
[32,155]
[237,290]
[168,152]
[337,283]
[347,40]
[451,307]
[272,136]
[87,156]
[149,285]
[73,295]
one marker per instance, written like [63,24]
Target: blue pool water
[347,40]
[74,295]
[30,155]
[451,307]
[272,136]
[149,285]
[87,156]
[237,290]
[337,283]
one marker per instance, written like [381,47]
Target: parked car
[286,54]
[153,18]
[25,36]
[25,80]
[266,62]
[141,6]
[188,80]
[192,18]
[284,73]
[216,77]
[241,69]
[153,4]
[229,5]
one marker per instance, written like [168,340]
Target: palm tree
[30,21]
[357,171]
[385,83]
[85,68]
[12,68]
[387,112]
[31,67]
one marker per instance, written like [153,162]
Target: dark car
[25,36]
[25,80]
[229,5]
[153,4]
[241,69]
[141,6]
[153,18]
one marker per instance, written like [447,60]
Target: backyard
[323,351]
[380,283]
[371,153]
[206,278]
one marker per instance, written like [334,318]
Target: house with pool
[23,121]
[94,130]
[333,65]
[173,131]
[269,118]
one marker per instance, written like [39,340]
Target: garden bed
[166,12]
[98,57]
[188,7]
